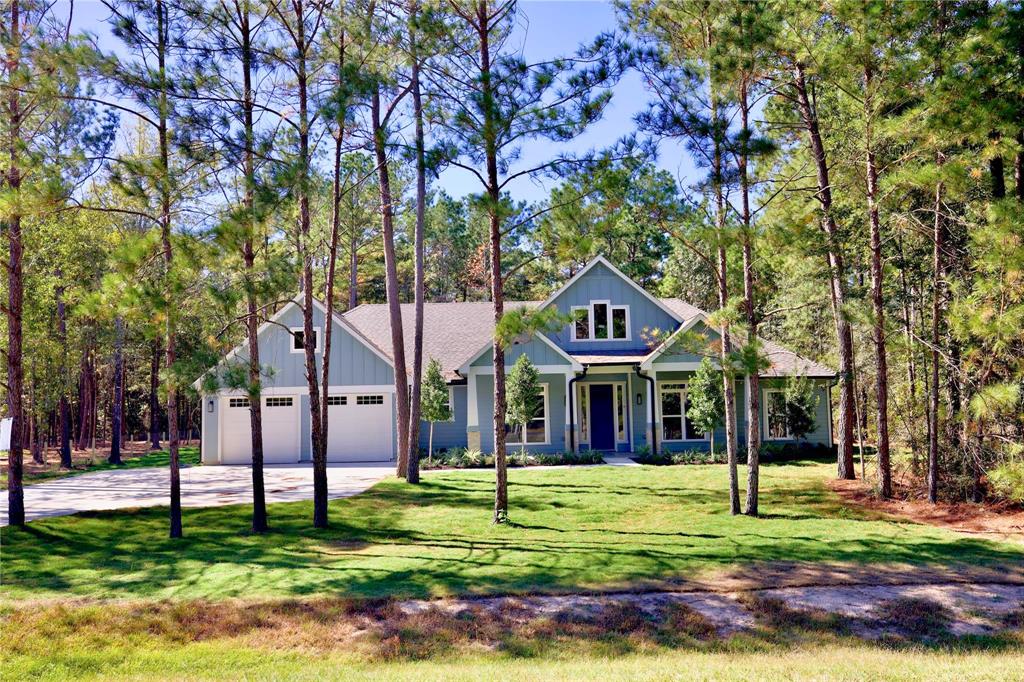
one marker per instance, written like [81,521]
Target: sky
[548,28]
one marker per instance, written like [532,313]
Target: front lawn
[83,464]
[574,529]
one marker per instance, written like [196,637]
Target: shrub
[1007,480]
[463,458]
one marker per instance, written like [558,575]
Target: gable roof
[453,333]
[273,320]
[604,261]
[457,333]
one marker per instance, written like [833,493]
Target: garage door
[280,430]
[359,427]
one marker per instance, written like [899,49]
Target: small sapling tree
[523,398]
[434,406]
[707,402]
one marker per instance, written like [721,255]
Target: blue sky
[548,29]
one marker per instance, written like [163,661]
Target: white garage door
[359,427]
[280,430]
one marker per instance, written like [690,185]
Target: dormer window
[600,321]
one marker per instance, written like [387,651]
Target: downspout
[572,409]
[654,396]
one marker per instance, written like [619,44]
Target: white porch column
[472,412]
[569,421]
[652,408]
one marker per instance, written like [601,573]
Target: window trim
[291,340]
[583,409]
[590,322]
[547,421]
[662,388]
[611,323]
[451,406]
[765,392]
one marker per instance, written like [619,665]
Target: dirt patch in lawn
[383,629]
[1003,522]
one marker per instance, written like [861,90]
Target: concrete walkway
[201,486]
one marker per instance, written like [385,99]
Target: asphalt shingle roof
[454,333]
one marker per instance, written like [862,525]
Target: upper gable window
[298,343]
[600,321]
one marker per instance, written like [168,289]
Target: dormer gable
[609,311]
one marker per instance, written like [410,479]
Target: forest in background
[859,199]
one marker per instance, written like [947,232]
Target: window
[675,425]
[369,400]
[581,323]
[451,404]
[334,400]
[279,402]
[776,422]
[238,402]
[600,321]
[620,322]
[537,429]
[298,343]
[620,413]
[584,413]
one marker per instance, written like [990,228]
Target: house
[604,387]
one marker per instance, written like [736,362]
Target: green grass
[225,661]
[573,529]
[189,456]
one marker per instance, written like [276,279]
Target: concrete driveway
[201,486]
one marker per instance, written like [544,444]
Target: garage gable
[354,360]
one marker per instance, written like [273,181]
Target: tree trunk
[306,256]
[728,386]
[255,389]
[154,396]
[65,407]
[393,293]
[753,378]
[430,445]
[170,331]
[118,401]
[933,389]
[877,300]
[413,470]
[497,282]
[837,274]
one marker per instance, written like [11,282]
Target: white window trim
[583,414]
[765,392]
[611,328]
[451,405]
[547,422]
[682,406]
[291,339]
[590,322]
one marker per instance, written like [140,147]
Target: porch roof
[610,358]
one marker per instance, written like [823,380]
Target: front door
[602,417]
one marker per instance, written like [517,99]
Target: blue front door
[602,418]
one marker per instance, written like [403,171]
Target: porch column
[652,427]
[570,423]
[472,413]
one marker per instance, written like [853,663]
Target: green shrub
[463,458]
[1007,480]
